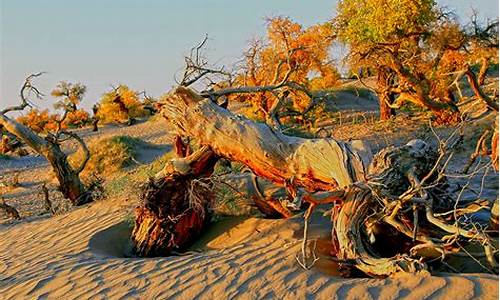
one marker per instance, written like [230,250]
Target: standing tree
[120,104]
[70,95]
[49,146]
[291,53]
[95,118]
[394,38]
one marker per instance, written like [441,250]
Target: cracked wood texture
[315,164]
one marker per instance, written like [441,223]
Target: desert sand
[80,255]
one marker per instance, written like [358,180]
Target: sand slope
[75,256]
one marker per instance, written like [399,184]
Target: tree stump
[176,206]
[175,212]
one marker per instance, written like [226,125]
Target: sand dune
[80,255]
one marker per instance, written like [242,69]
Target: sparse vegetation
[109,155]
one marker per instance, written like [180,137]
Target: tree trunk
[483,71]
[386,112]
[385,97]
[69,181]
[315,164]
[95,121]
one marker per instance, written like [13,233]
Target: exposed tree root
[174,213]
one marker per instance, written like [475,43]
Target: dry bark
[388,195]
[69,181]
[315,164]
[385,96]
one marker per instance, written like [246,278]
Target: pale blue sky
[140,43]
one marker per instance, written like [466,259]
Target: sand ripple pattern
[254,260]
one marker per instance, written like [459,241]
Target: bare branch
[197,66]
[83,146]
[26,90]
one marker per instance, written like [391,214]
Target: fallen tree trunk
[315,164]
[388,198]
[177,202]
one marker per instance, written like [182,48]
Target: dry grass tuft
[110,154]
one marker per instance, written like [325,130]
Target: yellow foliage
[290,50]
[43,121]
[120,105]
[77,118]
[39,121]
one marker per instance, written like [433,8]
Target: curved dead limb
[303,260]
[481,150]
[353,241]
[69,181]
[83,146]
[27,88]
[476,88]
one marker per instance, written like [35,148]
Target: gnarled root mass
[175,206]
[399,218]
[395,215]
[174,213]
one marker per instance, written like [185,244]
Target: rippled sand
[81,255]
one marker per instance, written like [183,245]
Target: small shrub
[119,105]
[39,121]
[77,119]
[43,121]
[110,154]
